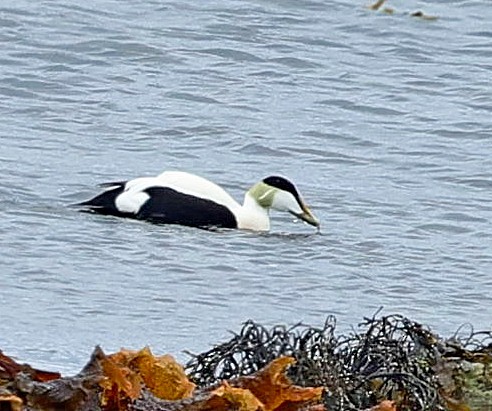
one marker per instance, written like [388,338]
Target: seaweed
[387,363]
[388,358]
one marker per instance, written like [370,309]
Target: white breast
[251,216]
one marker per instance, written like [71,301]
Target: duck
[179,197]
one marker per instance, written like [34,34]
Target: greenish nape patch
[263,194]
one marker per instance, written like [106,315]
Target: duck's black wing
[169,206]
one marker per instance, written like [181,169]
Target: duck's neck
[252,216]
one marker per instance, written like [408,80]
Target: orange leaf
[163,376]
[8,366]
[274,389]
[120,385]
[226,398]
[45,376]
[14,400]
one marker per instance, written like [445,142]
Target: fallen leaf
[162,375]
[14,400]
[229,398]
[275,390]
[120,384]
[9,368]
[44,376]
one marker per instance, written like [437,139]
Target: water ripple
[382,121]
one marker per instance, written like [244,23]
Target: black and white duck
[177,197]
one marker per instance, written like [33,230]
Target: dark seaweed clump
[390,357]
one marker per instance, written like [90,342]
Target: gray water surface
[382,121]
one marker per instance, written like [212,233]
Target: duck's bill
[308,217]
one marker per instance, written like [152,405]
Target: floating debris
[423,16]
[377,5]
[389,10]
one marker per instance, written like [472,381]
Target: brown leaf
[44,376]
[14,400]
[9,368]
[274,389]
[163,376]
[120,384]
[226,398]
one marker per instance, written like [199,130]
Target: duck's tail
[104,203]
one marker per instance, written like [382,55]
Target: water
[384,122]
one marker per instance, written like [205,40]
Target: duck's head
[280,194]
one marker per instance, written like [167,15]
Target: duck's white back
[198,186]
